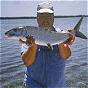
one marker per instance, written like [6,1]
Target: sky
[28,8]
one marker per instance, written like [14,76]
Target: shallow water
[12,68]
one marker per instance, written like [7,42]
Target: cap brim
[45,11]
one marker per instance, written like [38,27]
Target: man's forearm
[28,56]
[65,51]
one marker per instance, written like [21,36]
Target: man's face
[45,20]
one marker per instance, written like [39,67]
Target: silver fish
[44,37]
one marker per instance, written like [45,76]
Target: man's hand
[64,49]
[71,38]
[29,38]
[29,55]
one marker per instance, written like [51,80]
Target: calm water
[12,68]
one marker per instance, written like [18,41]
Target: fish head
[13,32]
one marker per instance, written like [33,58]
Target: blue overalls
[48,69]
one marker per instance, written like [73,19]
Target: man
[45,66]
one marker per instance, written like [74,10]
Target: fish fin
[76,29]
[80,34]
[78,24]
[50,46]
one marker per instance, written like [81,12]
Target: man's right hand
[28,56]
[31,39]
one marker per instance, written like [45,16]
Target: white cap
[45,7]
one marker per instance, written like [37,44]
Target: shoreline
[35,17]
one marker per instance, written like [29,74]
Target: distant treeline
[71,16]
[35,17]
[17,17]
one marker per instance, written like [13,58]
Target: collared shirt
[47,71]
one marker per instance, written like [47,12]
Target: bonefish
[44,37]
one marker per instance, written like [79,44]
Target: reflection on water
[11,65]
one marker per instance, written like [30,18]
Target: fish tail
[76,29]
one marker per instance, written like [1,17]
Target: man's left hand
[64,49]
[71,36]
